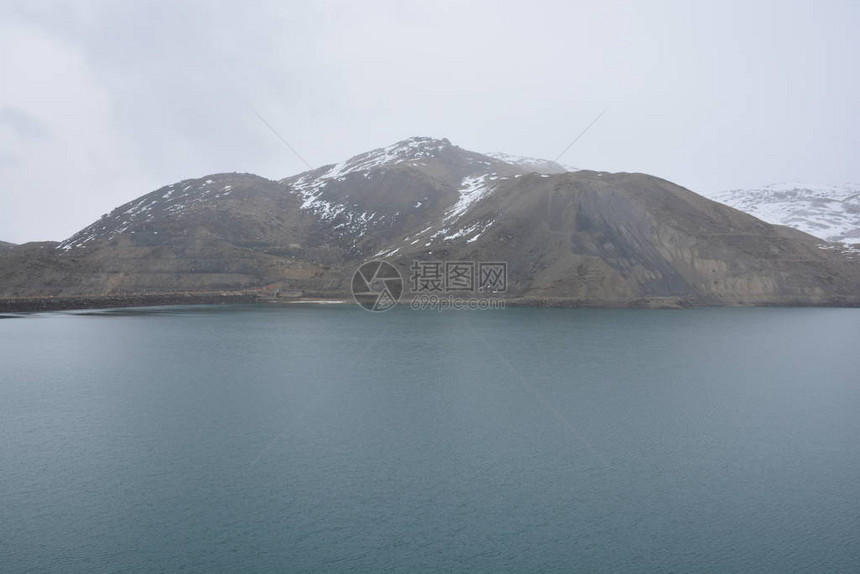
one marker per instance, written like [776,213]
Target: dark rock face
[582,237]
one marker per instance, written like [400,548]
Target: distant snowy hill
[532,163]
[831,212]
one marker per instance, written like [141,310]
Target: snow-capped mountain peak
[831,212]
[532,163]
[412,150]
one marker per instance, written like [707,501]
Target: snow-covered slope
[532,163]
[385,189]
[172,201]
[831,212]
[311,185]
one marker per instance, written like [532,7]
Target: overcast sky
[103,101]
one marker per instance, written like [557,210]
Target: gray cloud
[134,95]
[22,124]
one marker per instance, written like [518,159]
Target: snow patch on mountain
[345,219]
[310,186]
[412,150]
[472,190]
[830,212]
[175,200]
[532,163]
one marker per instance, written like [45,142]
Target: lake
[331,439]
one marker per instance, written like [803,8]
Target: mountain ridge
[830,212]
[532,163]
[579,237]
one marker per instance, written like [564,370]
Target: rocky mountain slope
[584,237]
[831,212]
[224,231]
[621,237]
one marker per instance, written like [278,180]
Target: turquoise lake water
[331,439]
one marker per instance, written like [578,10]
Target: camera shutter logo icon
[377,286]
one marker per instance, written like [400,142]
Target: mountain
[223,231]
[619,238]
[6,245]
[831,212]
[532,163]
[376,197]
[571,238]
